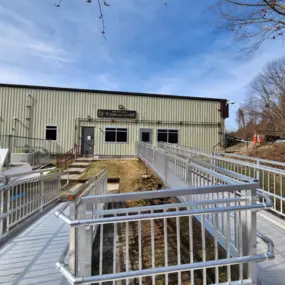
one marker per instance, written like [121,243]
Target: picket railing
[24,194]
[270,174]
[204,232]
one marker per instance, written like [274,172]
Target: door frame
[82,141]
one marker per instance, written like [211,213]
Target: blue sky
[150,47]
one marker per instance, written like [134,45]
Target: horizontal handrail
[29,172]
[225,154]
[232,174]
[161,194]
[142,217]
[272,162]
[166,193]
[168,269]
[23,137]
[169,206]
[68,156]
[226,159]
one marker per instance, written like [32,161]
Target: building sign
[116,114]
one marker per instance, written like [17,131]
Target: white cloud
[40,44]
[22,41]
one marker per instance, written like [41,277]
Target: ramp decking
[30,257]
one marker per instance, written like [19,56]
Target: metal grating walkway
[30,257]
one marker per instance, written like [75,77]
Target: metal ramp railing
[204,233]
[35,151]
[270,174]
[68,158]
[24,194]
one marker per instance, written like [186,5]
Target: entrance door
[87,141]
[146,135]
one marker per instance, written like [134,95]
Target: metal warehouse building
[109,122]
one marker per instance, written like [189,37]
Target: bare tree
[241,118]
[257,19]
[268,91]
[264,108]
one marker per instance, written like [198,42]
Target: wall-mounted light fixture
[121,107]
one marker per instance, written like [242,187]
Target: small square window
[146,137]
[51,133]
[110,135]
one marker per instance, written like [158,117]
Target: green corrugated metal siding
[62,108]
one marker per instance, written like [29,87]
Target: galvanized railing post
[84,252]
[249,235]
[42,186]
[153,154]
[165,165]
[188,174]
[73,241]
[89,239]
[59,183]
[4,207]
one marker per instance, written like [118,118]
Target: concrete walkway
[78,168]
[272,272]
[29,258]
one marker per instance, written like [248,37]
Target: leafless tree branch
[265,104]
[101,17]
[259,19]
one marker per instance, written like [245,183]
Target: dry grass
[265,151]
[129,171]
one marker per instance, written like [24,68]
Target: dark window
[173,137]
[110,135]
[122,135]
[51,133]
[116,135]
[169,136]
[161,137]
[145,137]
